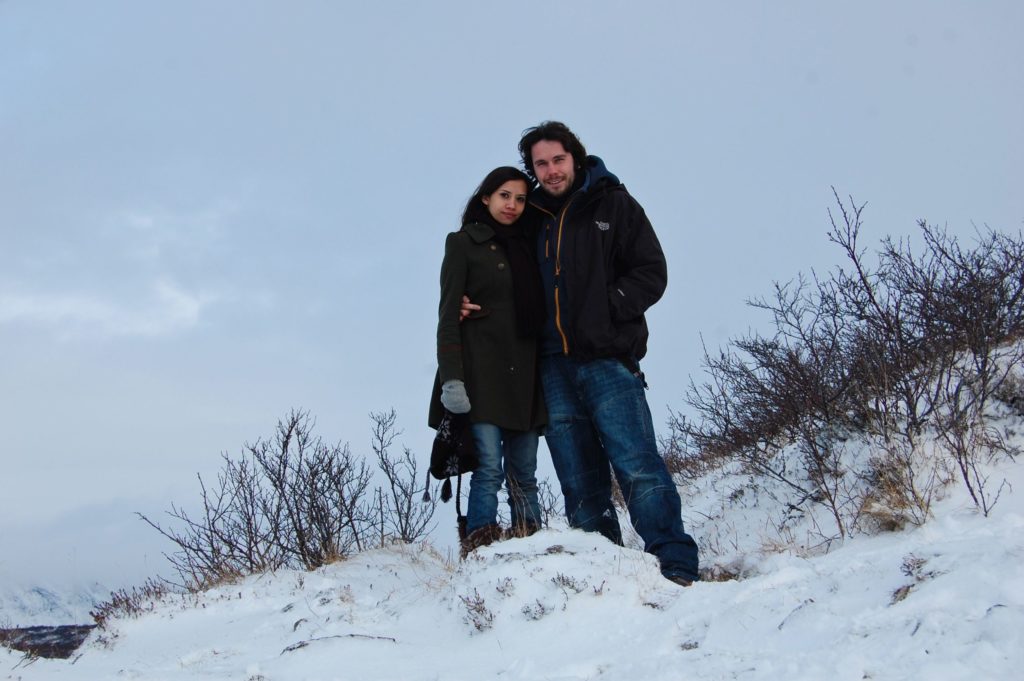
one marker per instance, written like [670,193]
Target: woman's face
[507,202]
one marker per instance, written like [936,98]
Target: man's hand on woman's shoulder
[467,308]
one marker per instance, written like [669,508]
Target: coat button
[494,247]
[501,265]
[511,370]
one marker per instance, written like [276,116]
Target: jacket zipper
[558,274]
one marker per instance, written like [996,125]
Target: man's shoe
[680,580]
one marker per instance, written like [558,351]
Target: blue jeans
[598,415]
[503,454]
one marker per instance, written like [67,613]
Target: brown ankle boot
[521,530]
[481,536]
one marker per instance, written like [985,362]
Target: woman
[487,364]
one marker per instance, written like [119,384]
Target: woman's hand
[454,397]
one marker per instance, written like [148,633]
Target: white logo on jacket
[603,226]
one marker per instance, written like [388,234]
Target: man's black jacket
[602,267]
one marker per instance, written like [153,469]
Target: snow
[786,600]
[941,601]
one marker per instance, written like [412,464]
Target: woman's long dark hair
[476,211]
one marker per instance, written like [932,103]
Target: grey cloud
[168,309]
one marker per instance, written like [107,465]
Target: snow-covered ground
[941,601]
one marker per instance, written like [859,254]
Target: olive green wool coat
[484,351]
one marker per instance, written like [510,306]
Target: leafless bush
[550,502]
[910,350]
[536,610]
[125,603]
[477,613]
[686,461]
[295,501]
[506,587]
[955,315]
[401,515]
[769,392]
[567,583]
[963,427]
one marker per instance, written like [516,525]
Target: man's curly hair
[551,131]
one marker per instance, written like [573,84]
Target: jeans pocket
[559,425]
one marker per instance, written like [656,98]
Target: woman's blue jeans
[598,415]
[503,455]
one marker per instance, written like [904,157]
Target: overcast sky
[213,212]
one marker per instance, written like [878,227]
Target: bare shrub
[536,610]
[685,461]
[401,515]
[132,603]
[549,501]
[567,583]
[909,351]
[506,587]
[972,444]
[295,501]
[477,613]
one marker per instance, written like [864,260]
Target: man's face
[553,167]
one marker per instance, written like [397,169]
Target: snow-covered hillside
[943,601]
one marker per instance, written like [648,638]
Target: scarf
[527,288]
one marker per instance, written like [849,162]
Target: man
[602,267]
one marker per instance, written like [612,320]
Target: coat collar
[479,232]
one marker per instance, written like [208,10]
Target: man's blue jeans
[598,415]
[503,454]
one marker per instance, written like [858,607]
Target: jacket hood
[597,175]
